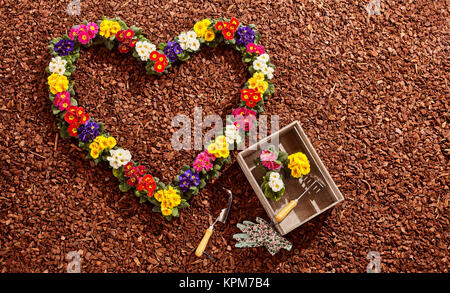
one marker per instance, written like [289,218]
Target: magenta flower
[73,33]
[83,37]
[92,29]
[62,100]
[268,160]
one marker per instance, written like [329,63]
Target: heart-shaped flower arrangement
[74,122]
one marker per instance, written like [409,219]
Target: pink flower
[73,33]
[83,37]
[268,156]
[62,100]
[82,28]
[271,165]
[259,50]
[92,28]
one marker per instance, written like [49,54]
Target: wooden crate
[292,139]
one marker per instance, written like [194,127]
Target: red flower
[251,97]
[120,36]
[132,43]
[73,130]
[83,118]
[132,181]
[128,34]
[123,48]
[148,183]
[71,118]
[234,22]
[219,25]
[162,58]
[159,67]
[154,56]
[228,33]
[141,169]
[128,166]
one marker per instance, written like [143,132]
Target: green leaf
[117,172]
[162,46]
[217,167]
[175,212]
[55,110]
[156,209]
[202,183]
[185,167]
[124,187]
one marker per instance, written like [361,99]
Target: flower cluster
[275,181]
[75,116]
[272,185]
[244,36]
[147,183]
[169,199]
[228,28]
[127,42]
[257,83]
[109,28]
[260,64]
[233,135]
[172,50]
[189,41]
[100,144]
[219,148]
[64,47]
[144,48]
[188,179]
[160,61]
[84,33]
[204,161]
[244,118]
[133,173]
[202,30]
[253,48]
[298,164]
[62,100]
[119,157]
[57,65]
[268,159]
[250,97]
[57,83]
[88,131]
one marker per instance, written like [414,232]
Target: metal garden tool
[309,183]
[221,218]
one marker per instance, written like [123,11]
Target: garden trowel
[221,218]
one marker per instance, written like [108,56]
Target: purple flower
[244,36]
[188,179]
[88,131]
[64,47]
[172,50]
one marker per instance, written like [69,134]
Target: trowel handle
[202,245]
[285,211]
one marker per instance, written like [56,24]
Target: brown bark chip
[370,92]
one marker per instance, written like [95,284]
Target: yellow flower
[252,82]
[159,195]
[206,22]
[95,153]
[299,164]
[111,142]
[166,212]
[258,76]
[200,27]
[58,83]
[94,146]
[209,35]
[212,148]
[109,28]
[103,142]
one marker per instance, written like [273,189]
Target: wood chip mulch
[371,93]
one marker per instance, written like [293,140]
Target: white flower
[274,176]
[232,134]
[57,65]
[268,72]
[191,35]
[119,157]
[144,48]
[264,58]
[276,185]
[194,45]
[258,65]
